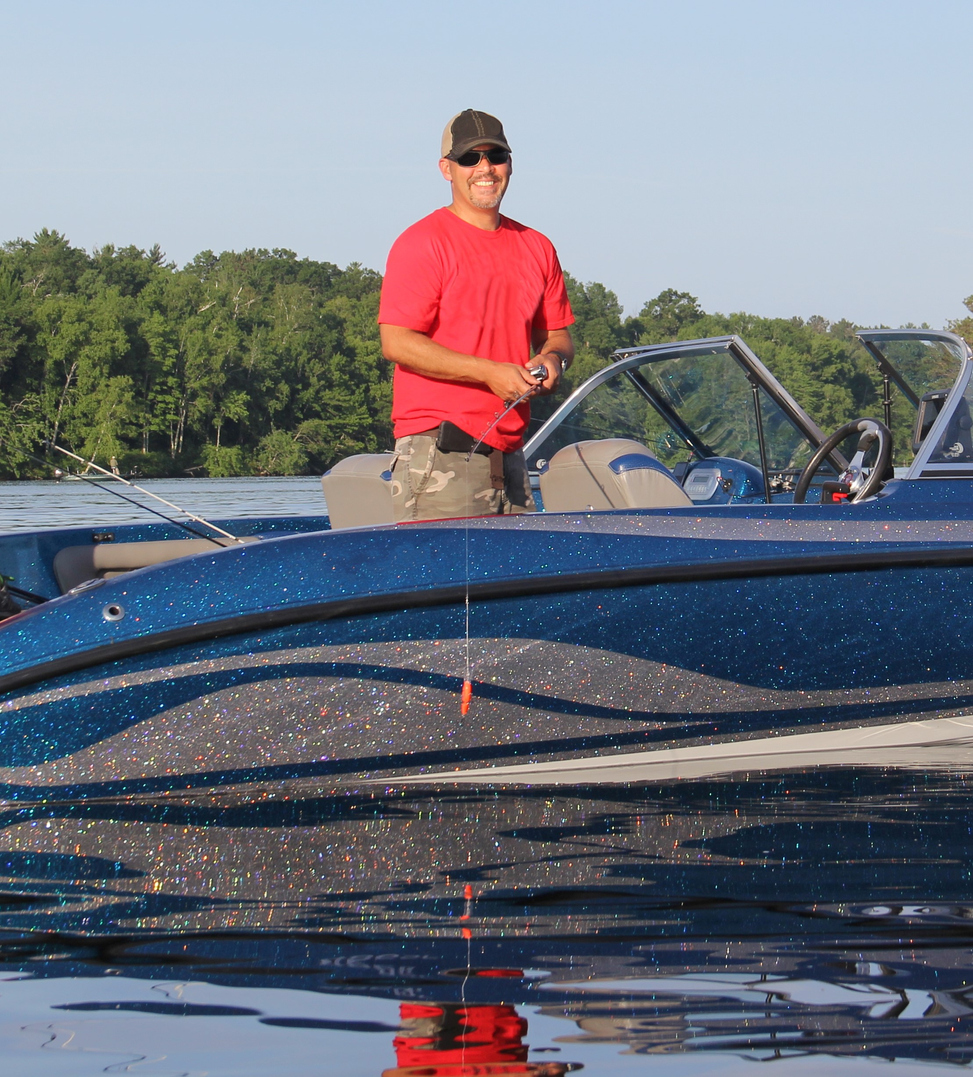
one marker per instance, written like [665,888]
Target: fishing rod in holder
[148,493]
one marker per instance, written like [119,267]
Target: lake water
[71,503]
[806,923]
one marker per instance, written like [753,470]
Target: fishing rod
[539,372]
[29,596]
[148,493]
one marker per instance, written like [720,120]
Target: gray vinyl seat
[103,560]
[358,490]
[957,442]
[612,473]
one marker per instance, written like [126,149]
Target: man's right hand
[508,381]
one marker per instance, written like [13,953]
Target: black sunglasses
[474,157]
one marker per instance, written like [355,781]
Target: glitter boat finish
[605,646]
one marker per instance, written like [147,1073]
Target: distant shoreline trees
[257,362]
[264,363]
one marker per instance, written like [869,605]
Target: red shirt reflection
[457,1040]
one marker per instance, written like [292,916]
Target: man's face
[483,185]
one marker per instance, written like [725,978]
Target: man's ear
[444,168]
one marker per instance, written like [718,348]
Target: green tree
[667,316]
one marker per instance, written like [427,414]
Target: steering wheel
[862,486]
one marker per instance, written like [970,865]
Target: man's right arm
[414,351]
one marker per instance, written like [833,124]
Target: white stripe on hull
[910,744]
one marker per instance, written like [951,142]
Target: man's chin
[486,203]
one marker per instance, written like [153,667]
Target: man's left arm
[555,349]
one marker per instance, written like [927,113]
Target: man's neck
[487,219]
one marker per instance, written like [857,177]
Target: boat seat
[358,490]
[957,442]
[613,473]
[102,560]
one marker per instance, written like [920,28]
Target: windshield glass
[695,404]
[921,373]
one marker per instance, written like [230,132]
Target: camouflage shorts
[428,484]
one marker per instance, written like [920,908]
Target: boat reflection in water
[765,916]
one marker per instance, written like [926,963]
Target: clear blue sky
[782,158]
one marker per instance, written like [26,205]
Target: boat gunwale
[496,589]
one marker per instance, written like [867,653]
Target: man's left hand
[552,363]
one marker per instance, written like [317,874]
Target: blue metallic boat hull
[606,642]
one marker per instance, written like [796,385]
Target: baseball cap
[470,128]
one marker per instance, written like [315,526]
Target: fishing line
[462,990]
[539,372]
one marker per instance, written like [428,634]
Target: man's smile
[486,190]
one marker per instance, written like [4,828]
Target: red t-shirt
[476,292]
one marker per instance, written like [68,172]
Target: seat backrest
[957,443]
[614,473]
[358,490]
[930,406]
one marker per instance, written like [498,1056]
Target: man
[467,295]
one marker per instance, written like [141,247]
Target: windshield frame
[872,340]
[629,359]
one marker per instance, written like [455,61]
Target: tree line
[264,363]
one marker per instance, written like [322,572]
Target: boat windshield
[685,403]
[924,376]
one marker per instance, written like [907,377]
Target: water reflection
[823,912]
[455,1040]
